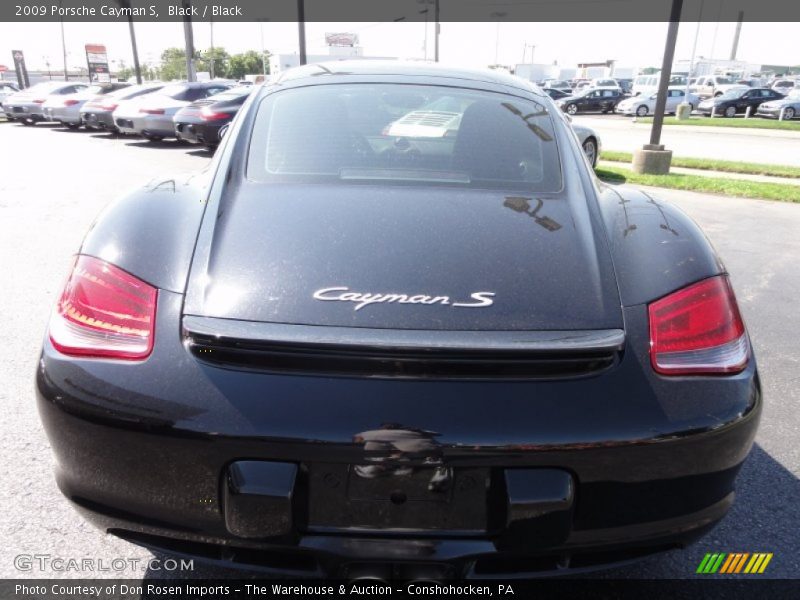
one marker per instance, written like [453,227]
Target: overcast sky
[463,44]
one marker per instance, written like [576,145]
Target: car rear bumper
[198,133]
[147,125]
[222,463]
[25,111]
[62,115]
[98,119]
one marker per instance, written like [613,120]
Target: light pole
[301,30]
[436,31]
[189,41]
[63,45]
[653,158]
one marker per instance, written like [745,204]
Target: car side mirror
[223,130]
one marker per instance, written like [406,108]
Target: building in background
[341,46]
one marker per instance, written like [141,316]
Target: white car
[641,106]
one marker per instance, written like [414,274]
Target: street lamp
[653,158]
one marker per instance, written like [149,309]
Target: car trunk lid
[404,257]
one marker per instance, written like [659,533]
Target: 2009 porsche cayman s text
[406,330]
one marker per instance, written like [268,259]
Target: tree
[248,63]
[173,64]
[215,61]
[125,73]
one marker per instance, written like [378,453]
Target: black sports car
[201,121]
[556,94]
[737,101]
[389,336]
[602,100]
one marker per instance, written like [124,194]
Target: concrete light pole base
[684,112]
[652,160]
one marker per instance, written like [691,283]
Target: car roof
[402,68]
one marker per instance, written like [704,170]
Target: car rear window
[404,134]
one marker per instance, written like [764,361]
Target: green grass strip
[705,164]
[701,183]
[736,122]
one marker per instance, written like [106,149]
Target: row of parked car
[191,111]
[741,99]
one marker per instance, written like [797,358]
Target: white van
[648,84]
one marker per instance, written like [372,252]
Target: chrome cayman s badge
[362,299]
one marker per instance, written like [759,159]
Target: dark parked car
[591,100]
[201,121]
[737,101]
[97,114]
[351,347]
[556,94]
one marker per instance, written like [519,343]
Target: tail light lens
[104,312]
[209,115]
[39,101]
[70,102]
[109,106]
[698,330]
[152,111]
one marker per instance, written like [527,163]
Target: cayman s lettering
[362,299]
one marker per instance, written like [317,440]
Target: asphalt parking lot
[54,182]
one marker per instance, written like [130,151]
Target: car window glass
[404,135]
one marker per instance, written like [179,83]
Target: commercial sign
[19,67]
[97,61]
[341,39]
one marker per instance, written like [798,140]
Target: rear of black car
[399,331]
[201,121]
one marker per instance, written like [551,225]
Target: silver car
[152,116]
[644,105]
[590,142]
[66,109]
[27,105]
[790,105]
[6,89]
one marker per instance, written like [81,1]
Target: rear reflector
[698,330]
[104,312]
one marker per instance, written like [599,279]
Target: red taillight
[109,107]
[698,330]
[70,102]
[152,111]
[104,312]
[39,101]
[209,115]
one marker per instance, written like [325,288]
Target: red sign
[3,68]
